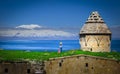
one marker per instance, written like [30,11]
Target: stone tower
[95,36]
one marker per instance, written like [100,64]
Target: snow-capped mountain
[25,31]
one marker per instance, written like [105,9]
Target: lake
[47,45]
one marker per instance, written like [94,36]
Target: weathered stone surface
[95,43]
[95,36]
[38,67]
[93,26]
[82,64]
[77,64]
[22,68]
[13,68]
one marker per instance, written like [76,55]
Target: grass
[16,55]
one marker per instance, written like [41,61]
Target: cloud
[35,33]
[31,26]
[30,31]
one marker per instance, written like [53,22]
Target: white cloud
[30,31]
[31,26]
[35,33]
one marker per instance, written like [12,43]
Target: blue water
[38,45]
[47,45]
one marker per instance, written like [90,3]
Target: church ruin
[95,36]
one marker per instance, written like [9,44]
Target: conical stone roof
[95,25]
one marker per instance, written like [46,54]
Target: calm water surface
[47,45]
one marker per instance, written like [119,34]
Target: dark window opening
[28,70]
[62,60]
[95,16]
[41,68]
[86,64]
[98,45]
[118,62]
[91,49]
[6,70]
[60,64]
[77,57]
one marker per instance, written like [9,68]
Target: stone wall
[28,67]
[95,43]
[78,64]
[14,68]
[82,64]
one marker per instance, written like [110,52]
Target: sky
[54,18]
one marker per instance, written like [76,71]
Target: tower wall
[95,43]
[95,36]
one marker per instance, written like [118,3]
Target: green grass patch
[16,55]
